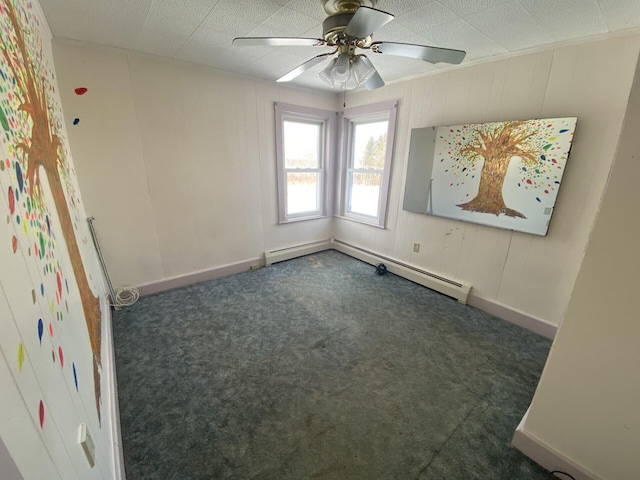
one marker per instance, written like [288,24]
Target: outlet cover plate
[87,444]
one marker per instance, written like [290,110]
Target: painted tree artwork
[503,174]
[39,187]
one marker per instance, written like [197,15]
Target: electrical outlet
[416,248]
[89,448]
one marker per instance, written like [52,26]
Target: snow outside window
[303,137]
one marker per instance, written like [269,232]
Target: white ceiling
[201,31]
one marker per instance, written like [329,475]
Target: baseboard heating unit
[283,254]
[448,287]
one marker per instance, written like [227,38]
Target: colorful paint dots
[20,356]
[61,357]
[75,375]
[51,330]
[12,201]
[59,281]
[40,330]
[33,296]
[41,414]
[80,90]
[19,176]
[76,121]
[14,244]
[41,244]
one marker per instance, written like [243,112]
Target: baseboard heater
[283,254]
[448,287]
[451,288]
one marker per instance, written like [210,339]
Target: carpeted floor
[317,368]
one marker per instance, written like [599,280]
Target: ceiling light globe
[340,69]
[361,70]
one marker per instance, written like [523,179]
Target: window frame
[327,119]
[349,119]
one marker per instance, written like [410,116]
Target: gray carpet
[317,368]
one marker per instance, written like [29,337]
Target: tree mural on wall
[39,155]
[496,145]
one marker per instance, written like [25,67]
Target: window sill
[302,219]
[362,220]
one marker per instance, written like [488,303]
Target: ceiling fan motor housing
[340,14]
[341,6]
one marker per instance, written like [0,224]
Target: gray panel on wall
[421,148]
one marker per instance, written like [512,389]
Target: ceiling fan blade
[365,21]
[278,41]
[422,52]
[376,80]
[300,69]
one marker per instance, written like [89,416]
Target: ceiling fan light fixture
[351,83]
[340,70]
[356,74]
[361,71]
[327,73]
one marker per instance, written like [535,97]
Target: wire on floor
[125,297]
[561,473]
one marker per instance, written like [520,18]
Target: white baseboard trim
[288,253]
[199,276]
[546,456]
[409,272]
[537,325]
[114,409]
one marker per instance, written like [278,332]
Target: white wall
[587,405]
[525,273]
[47,382]
[176,162]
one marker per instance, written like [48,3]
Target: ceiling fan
[349,27]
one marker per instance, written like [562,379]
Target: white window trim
[328,119]
[366,113]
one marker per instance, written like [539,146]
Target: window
[367,144]
[306,139]
[303,144]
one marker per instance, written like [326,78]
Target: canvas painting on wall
[502,174]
